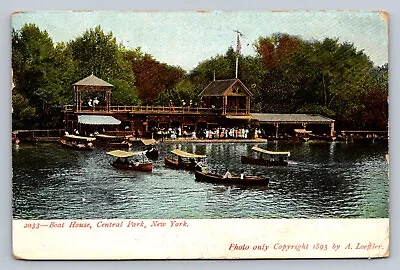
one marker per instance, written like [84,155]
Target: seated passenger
[242,176]
[192,162]
[227,174]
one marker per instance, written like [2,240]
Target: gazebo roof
[218,88]
[92,81]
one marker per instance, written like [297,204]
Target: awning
[98,120]
[81,138]
[240,117]
[108,136]
[185,154]
[148,141]
[303,131]
[260,150]
[124,154]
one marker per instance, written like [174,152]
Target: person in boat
[227,174]
[242,176]
[199,166]
[192,163]
[136,163]
[180,162]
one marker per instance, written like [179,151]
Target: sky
[187,38]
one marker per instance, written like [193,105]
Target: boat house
[276,125]
[224,103]
[230,97]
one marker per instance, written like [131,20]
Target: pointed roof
[93,80]
[218,87]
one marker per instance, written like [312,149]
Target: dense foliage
[287,75]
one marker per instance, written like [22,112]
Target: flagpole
[238,47]
[237,64]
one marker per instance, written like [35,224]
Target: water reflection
[322,180]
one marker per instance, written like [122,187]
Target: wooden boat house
[228,97]
[223,103]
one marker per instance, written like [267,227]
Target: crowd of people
[211,133]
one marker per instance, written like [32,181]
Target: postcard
[200,135]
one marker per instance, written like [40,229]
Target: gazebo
[87,89]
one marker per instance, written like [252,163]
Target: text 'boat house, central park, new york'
[223,103]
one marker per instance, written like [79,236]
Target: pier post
[224,104]
[276,129]
[332,133]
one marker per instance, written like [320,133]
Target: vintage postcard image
[200,135]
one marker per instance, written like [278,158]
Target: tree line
[287,75]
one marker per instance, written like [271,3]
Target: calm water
[323,180]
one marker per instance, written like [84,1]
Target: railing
[38,134]
[235,111]
[149,109]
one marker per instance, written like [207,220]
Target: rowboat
[303,134]
[132,161]
[77,142]
[151,152]
[274,158]
[215,178]
[112,141]
[185,161]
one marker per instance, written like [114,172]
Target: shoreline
[214,140]
[229,140]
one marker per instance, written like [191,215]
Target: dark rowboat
[133,161]
[263,162]
[185,161]
[149,145]
[152,153]
[143,167]
[175,164]
[215,178]
[302,134]
[272,159]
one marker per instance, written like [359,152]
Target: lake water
[323,180]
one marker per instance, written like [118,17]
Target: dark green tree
[32,63]
[98,53]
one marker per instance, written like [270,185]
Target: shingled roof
[217,88]
[291,118]
[93,80]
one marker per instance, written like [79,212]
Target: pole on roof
[238,48]
[237,64]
